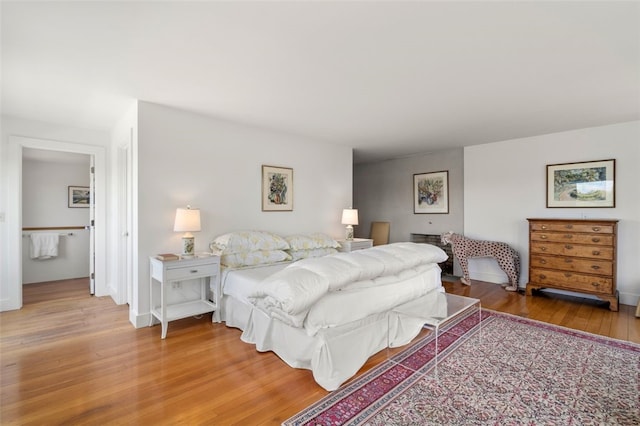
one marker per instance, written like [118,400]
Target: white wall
[40,134]
[383,191]
[214,165]
[45,189]
[504,184]
[44,204]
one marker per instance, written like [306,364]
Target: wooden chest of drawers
[575,255]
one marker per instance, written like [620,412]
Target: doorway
[12,298]
[56,210]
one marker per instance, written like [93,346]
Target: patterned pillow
[311,241]
[248,241]
[317,252]
[251,258]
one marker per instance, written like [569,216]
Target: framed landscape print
[277,189]
[582,185]
[431,192]
[79,196]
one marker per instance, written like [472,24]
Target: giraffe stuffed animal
[464,248]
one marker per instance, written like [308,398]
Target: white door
[92,237]
[125,262]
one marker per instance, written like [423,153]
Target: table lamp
[187,221]
[349,218]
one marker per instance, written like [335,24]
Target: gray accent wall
[383,191]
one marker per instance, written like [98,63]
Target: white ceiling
[386,78]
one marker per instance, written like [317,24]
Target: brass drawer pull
[596,253]
[543,248]
[596,228]
[542,276]
[595,267]
[543,227]
[543,237]
[568,246]
[595,240]
[568,236]
[595,284]
[543,261]
[569,226]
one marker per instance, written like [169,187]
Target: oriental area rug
[500,370]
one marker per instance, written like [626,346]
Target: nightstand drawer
[360,245]
[189,272]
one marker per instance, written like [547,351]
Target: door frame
[13,299]
[125,223]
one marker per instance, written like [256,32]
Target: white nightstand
[355,244]
[167,276]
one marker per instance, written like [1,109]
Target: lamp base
[188,245]
[348,234]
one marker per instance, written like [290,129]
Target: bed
[327,311]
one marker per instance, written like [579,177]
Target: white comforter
[328,291]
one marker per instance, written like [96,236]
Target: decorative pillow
[317,252]
[248,241]
[311,241]
[251,258]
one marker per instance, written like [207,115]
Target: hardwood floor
[69,358]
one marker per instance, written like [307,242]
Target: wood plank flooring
[69,358]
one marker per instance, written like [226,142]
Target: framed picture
[79,196]
[277,189]
[584,184]
[431,192]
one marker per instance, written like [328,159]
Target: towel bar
[66,234]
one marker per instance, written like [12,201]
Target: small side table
[347,246]
[166,275]
[434,310]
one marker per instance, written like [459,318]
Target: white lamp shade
[350,216]
[187,220]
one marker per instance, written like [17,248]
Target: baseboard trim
[8,305]
[628,298]
[491,278]
[139,320]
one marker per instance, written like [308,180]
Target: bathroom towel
[44,245]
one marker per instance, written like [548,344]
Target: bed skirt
[333,354]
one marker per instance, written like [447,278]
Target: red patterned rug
[506,371]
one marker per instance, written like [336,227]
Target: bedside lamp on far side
[349,218]
[187,221]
